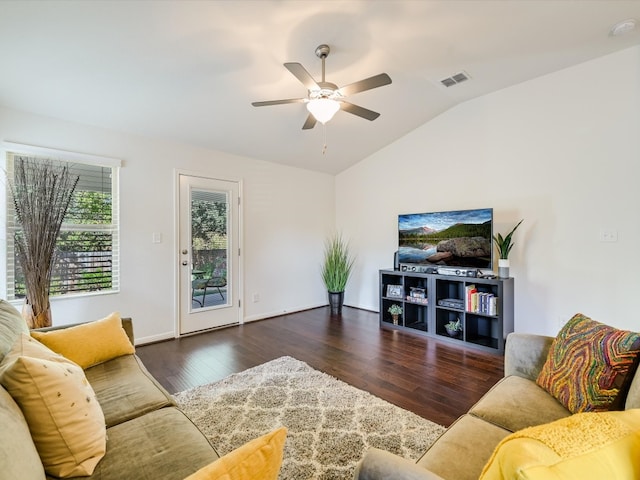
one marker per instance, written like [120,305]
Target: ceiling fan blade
[359,111]
[301,74]
[278,102]
[366,84]
[310,123]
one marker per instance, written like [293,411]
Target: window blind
[87,250]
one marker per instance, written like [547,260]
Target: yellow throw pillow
[90,343]
[11,325]
[584,446]
[260,459]
[64,417]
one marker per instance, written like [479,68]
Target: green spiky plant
[338,263]
[505,244]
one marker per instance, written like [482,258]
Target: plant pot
[336,299]
[43,319]
[453,333]
[503,268]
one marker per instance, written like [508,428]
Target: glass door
[208,253]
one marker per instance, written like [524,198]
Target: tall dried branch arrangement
[41,193]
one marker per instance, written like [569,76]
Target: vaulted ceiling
[189,70]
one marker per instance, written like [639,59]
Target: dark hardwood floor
[434,379]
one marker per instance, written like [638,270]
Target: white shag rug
[331,424]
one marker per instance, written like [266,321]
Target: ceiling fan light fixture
[323,109]
[324,98]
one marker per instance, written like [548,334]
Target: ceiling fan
[324,99]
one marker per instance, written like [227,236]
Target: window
[87,248]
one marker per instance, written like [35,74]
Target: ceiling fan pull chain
[324,134]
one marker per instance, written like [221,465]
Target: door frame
[176,243]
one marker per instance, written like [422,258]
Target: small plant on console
[395,310]
[454,328]
[504,244]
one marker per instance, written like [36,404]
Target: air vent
[455,79]
[448,82]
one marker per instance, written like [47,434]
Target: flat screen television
[460,238]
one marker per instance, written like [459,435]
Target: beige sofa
[148,437]
[514,403]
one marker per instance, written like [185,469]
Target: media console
[429,301]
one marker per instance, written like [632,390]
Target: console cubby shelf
[484,306]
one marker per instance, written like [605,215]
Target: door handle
[185,251]
[185,263]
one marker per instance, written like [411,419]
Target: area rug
[331,424]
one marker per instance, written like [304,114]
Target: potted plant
[336,269]
[395,310]
[454,329]
[504,246]
[41,194]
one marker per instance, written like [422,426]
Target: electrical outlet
[608,235]
[256,297]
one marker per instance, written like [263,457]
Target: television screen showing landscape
[457,238]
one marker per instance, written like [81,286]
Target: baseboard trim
[161,337]
[277,313]
[155,338]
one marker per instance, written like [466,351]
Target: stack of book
[480,302]
[418,295]
[421,301]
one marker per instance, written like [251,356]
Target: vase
[503,268]
[453,333]
[43,319]
[394,317]
[336,299]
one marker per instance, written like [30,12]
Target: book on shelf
[493,305]
[469,291]
[418,300]
[480,302]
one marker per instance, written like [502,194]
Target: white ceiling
[189,70]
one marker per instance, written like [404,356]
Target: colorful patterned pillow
[590,365]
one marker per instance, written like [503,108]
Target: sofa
[148,437]
[513,404]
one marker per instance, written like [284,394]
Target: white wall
[560,151]
[287,214]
